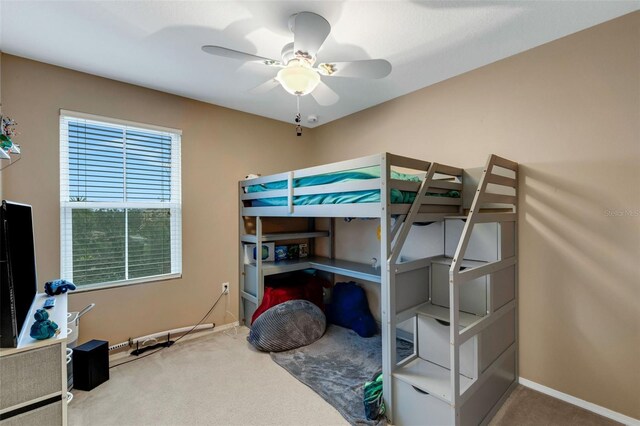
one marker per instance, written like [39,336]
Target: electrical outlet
[225,288]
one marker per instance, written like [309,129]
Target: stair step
[442,314]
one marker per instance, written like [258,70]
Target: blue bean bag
[286,326]
[349,308]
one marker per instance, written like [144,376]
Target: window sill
[126,283]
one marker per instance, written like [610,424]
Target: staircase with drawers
[465,359]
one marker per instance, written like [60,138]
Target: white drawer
[473,294]
[433,345]
[415,407]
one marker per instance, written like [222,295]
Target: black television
[18,280]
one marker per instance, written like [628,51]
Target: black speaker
[90,364]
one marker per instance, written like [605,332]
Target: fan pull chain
[298,118]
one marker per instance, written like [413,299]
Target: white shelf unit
[283,236]
[36,361]
[406,287]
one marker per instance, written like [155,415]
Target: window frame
[67,207]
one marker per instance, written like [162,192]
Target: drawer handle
[420,390]
[441,322]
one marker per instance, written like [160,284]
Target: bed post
[387,279]
[259,282]
[290,192]
[241,232]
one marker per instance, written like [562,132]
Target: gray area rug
[337,366]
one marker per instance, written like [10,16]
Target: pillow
[289,325]
[349,308]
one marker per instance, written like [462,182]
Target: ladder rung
[504,163]
[488,197]
[501,180]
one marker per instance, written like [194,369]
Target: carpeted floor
[220,380]
[526,407]
[214,380]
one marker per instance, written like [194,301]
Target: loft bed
[377,186]
[360,188]
[401,192]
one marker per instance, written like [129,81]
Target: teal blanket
[368,196]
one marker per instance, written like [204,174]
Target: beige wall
[219,147]
[568,112]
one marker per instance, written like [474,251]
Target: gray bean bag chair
[289,325]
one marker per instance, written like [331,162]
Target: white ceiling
[156,44]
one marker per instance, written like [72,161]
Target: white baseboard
[217,329]
[605,412]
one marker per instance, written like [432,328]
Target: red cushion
[303,287]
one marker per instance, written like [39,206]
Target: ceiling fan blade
[265,87]
[372,68]
[324,95]
[241,56]
[309,32]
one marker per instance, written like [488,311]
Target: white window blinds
[120,201]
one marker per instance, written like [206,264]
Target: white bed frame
[402,284]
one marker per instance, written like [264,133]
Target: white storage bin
[413,406]
[433,346]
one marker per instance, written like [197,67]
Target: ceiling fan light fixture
[298,78]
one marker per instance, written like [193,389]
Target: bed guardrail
[447,179]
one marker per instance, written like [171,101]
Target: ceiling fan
[297,74]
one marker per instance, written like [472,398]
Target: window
[120,203]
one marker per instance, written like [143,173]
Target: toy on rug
[53,288]
[374,407]
[43,328]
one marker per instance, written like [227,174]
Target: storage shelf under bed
[283,236]
[336,266]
